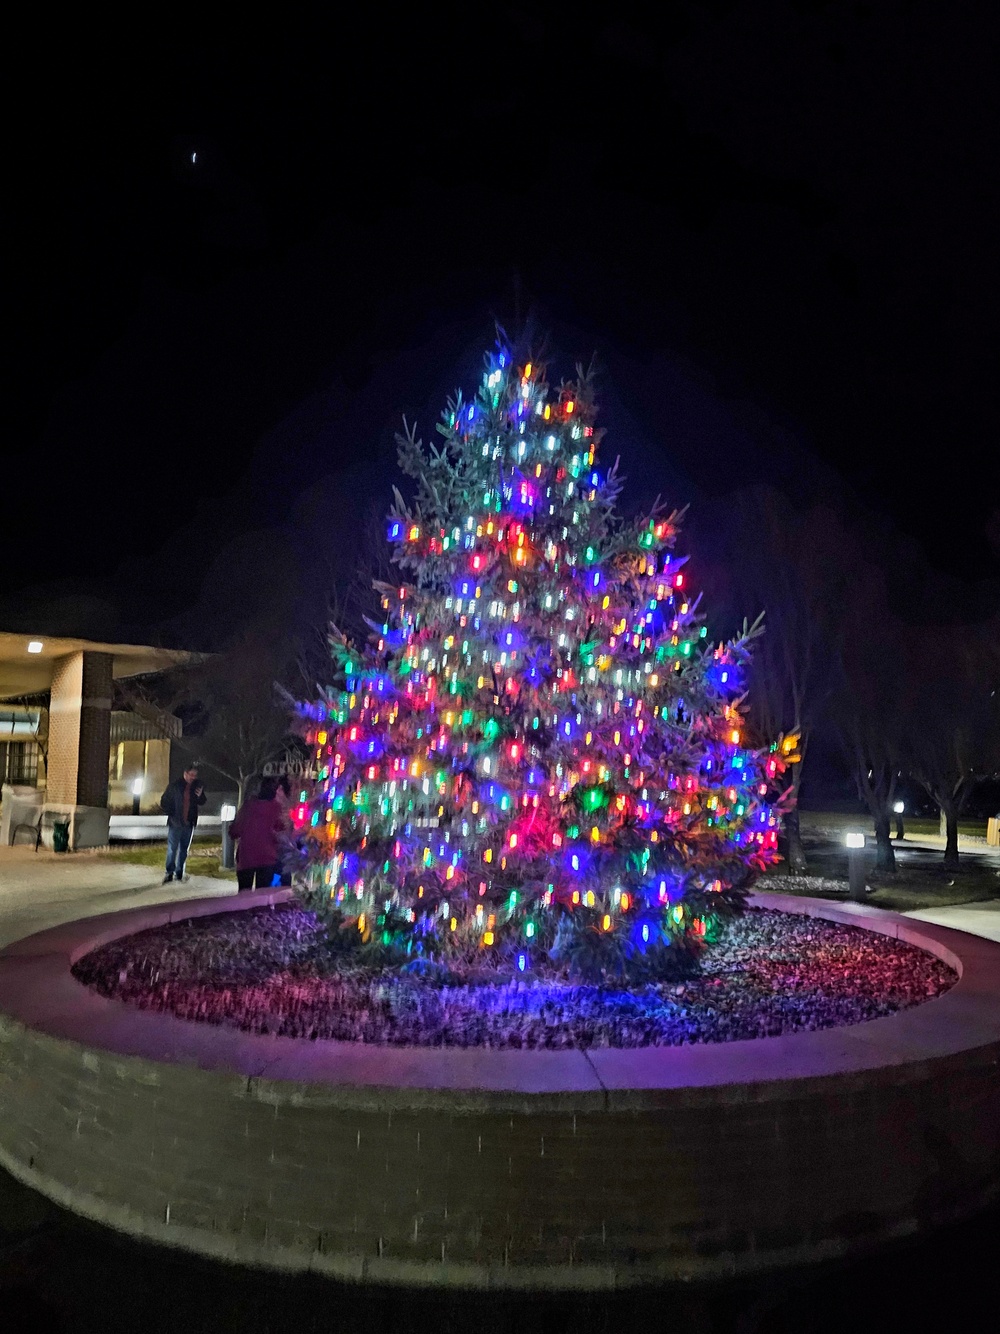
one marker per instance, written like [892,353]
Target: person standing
[180,804]
[258,826]
[284,795]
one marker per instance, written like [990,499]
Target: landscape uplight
[35,646]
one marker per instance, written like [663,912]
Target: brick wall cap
[38,990]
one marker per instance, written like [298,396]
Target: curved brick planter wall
[506,1169]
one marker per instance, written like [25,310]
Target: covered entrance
[63,751]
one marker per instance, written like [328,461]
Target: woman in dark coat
[257,829]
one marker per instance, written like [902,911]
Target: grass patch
[835,822]
[920,879]
[204,858]
[931,887]
[906,891]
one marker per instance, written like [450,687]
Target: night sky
[238,261]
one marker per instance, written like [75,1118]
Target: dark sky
[775,223]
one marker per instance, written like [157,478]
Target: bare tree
[238,705]
[235,704]
[794,566]
[871,705]
[953,735]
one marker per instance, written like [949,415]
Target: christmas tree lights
[540,759]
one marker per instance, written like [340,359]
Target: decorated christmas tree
[539,760]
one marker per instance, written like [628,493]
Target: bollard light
[855,866]
[136,794]
[899,807]
[227,813]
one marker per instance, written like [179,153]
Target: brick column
[79,730]
[95,730]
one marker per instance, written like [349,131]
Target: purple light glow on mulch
[268,971]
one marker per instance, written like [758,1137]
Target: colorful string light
[540,742]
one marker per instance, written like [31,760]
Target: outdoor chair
[34,829]
[46,820]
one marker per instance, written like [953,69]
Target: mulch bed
[270,971]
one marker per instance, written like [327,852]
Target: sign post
[227,814]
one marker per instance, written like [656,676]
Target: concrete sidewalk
[967,845]
[43,889]
[979,919]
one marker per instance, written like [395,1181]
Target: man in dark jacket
[180,803]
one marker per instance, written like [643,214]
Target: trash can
[60,836]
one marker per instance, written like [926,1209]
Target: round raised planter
[514,1169]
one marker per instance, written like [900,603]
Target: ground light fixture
[137,784]
[899,807]
[35,646]
[855,865]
